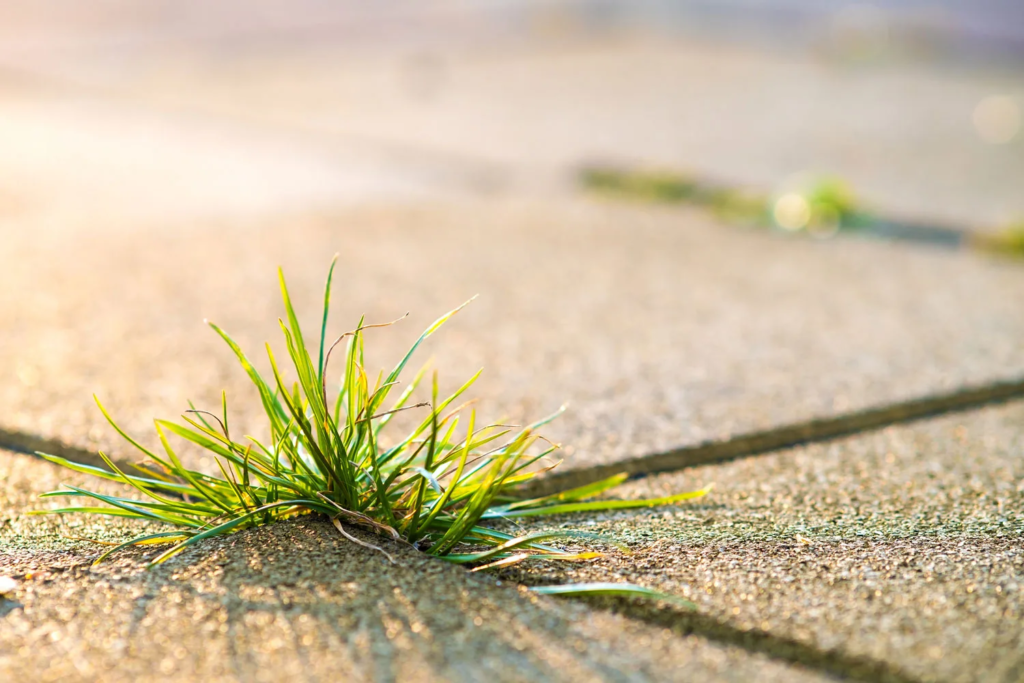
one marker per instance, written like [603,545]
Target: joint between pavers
[708,452]
[32,444]
[787,436]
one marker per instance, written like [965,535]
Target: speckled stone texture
[298,601]
[155,175]
[899,549]
[904,546]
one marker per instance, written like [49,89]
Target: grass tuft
[436,488]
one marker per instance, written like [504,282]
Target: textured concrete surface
[297,600]
[157,172]
[522,117]
[669,331]
[902,546]
[902,135]
[79,160]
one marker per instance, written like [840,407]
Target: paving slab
[892,556]
[80,160]
[659,328]
[297,601]
[902,546]
[900,132]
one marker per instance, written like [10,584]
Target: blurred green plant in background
[820,206]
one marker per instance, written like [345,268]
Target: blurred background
[153,113]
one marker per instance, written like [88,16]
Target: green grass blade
[271,406]
[165,503]
[231,525]
[422,338]
[598,505]
[138,541]
[206,491]
[87,510]
[545,420]
[327,308]
[440,503]
[334,481]
[578,493]
[137,509]
[293,320]
[124,434]
[110,476]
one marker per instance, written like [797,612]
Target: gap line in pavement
[786,436]
[704,453]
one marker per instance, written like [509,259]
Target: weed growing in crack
[435,489]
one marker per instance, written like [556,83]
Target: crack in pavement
[30,444]
[788,650]
[786,436]
[708,452]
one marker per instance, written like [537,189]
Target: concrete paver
[900,133]
[297,600]
[903,546]
[659,328]
[154,182]
[80,161]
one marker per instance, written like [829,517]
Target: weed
[826,204]
[658,187]
[1008,241]
[436,488]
